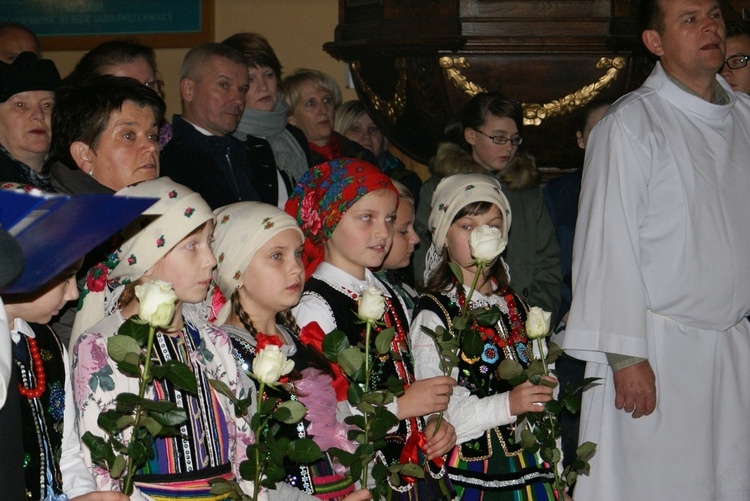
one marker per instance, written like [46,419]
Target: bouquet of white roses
[131,349]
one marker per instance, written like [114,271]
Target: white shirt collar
[20,326]
[339,278]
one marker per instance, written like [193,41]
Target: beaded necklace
[37,369]
[517,334]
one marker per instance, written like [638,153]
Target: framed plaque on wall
[82,24]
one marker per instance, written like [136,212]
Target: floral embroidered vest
[479,375]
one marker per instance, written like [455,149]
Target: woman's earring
[91,173]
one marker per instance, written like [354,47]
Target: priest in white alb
[661,274]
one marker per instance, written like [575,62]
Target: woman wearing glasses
[484,137]
[123,58]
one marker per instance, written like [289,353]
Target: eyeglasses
[737,62]
[155,85]
[515,141]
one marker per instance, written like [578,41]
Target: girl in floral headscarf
[260,272]
[486,464]
[173,246]
[346,209]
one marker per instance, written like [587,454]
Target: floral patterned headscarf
[174,216]
[323,196]
[241,230]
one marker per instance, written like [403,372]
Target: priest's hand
[635,389]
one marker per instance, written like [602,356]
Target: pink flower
[310,217]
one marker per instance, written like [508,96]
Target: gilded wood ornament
[535,113]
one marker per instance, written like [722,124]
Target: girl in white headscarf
[173,246]
[485,464]
[261,275]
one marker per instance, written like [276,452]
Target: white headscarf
[178,212]
[241,230]
[453,194]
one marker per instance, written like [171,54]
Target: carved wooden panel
[416,62]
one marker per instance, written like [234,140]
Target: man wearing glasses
[735,70]
[661,274]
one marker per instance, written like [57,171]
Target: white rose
[157,301]
[270,364]
[486,243]
[371,305]
[537,323]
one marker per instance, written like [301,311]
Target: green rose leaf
[488,316]
[572,403]
[118,467]
[553,407]
[135,329]
[266,407]
[101,452]
[247,468]
[123,422]
[472,344]
[528,440]
[548,383]
[127,367]
[383,340]
[351,360]
[408,469]
[119,346]
[346,458]
[509,369]
[334,343]
[354,394]
[152,425]
[379,471]
[358,421]
[274,473]
[535,368]
[178,374]
[304,450]
[459,323]
[586,450]
[279,450]
[107,421]
[294,410]
[171,417]
[137,452]
[366,408]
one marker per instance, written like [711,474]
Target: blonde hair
[291,85]
[404,193]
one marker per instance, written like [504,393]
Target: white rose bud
[486,243]
[157,301]
[537,323]
[371,305]
[270,364]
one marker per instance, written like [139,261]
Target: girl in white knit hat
[172,246]
[260,275]
[486,463]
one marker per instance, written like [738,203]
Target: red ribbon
[312,335]
[410,453]
[263,340]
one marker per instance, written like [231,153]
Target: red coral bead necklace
[38,370]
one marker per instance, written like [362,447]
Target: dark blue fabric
[217,167]
[561,197]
